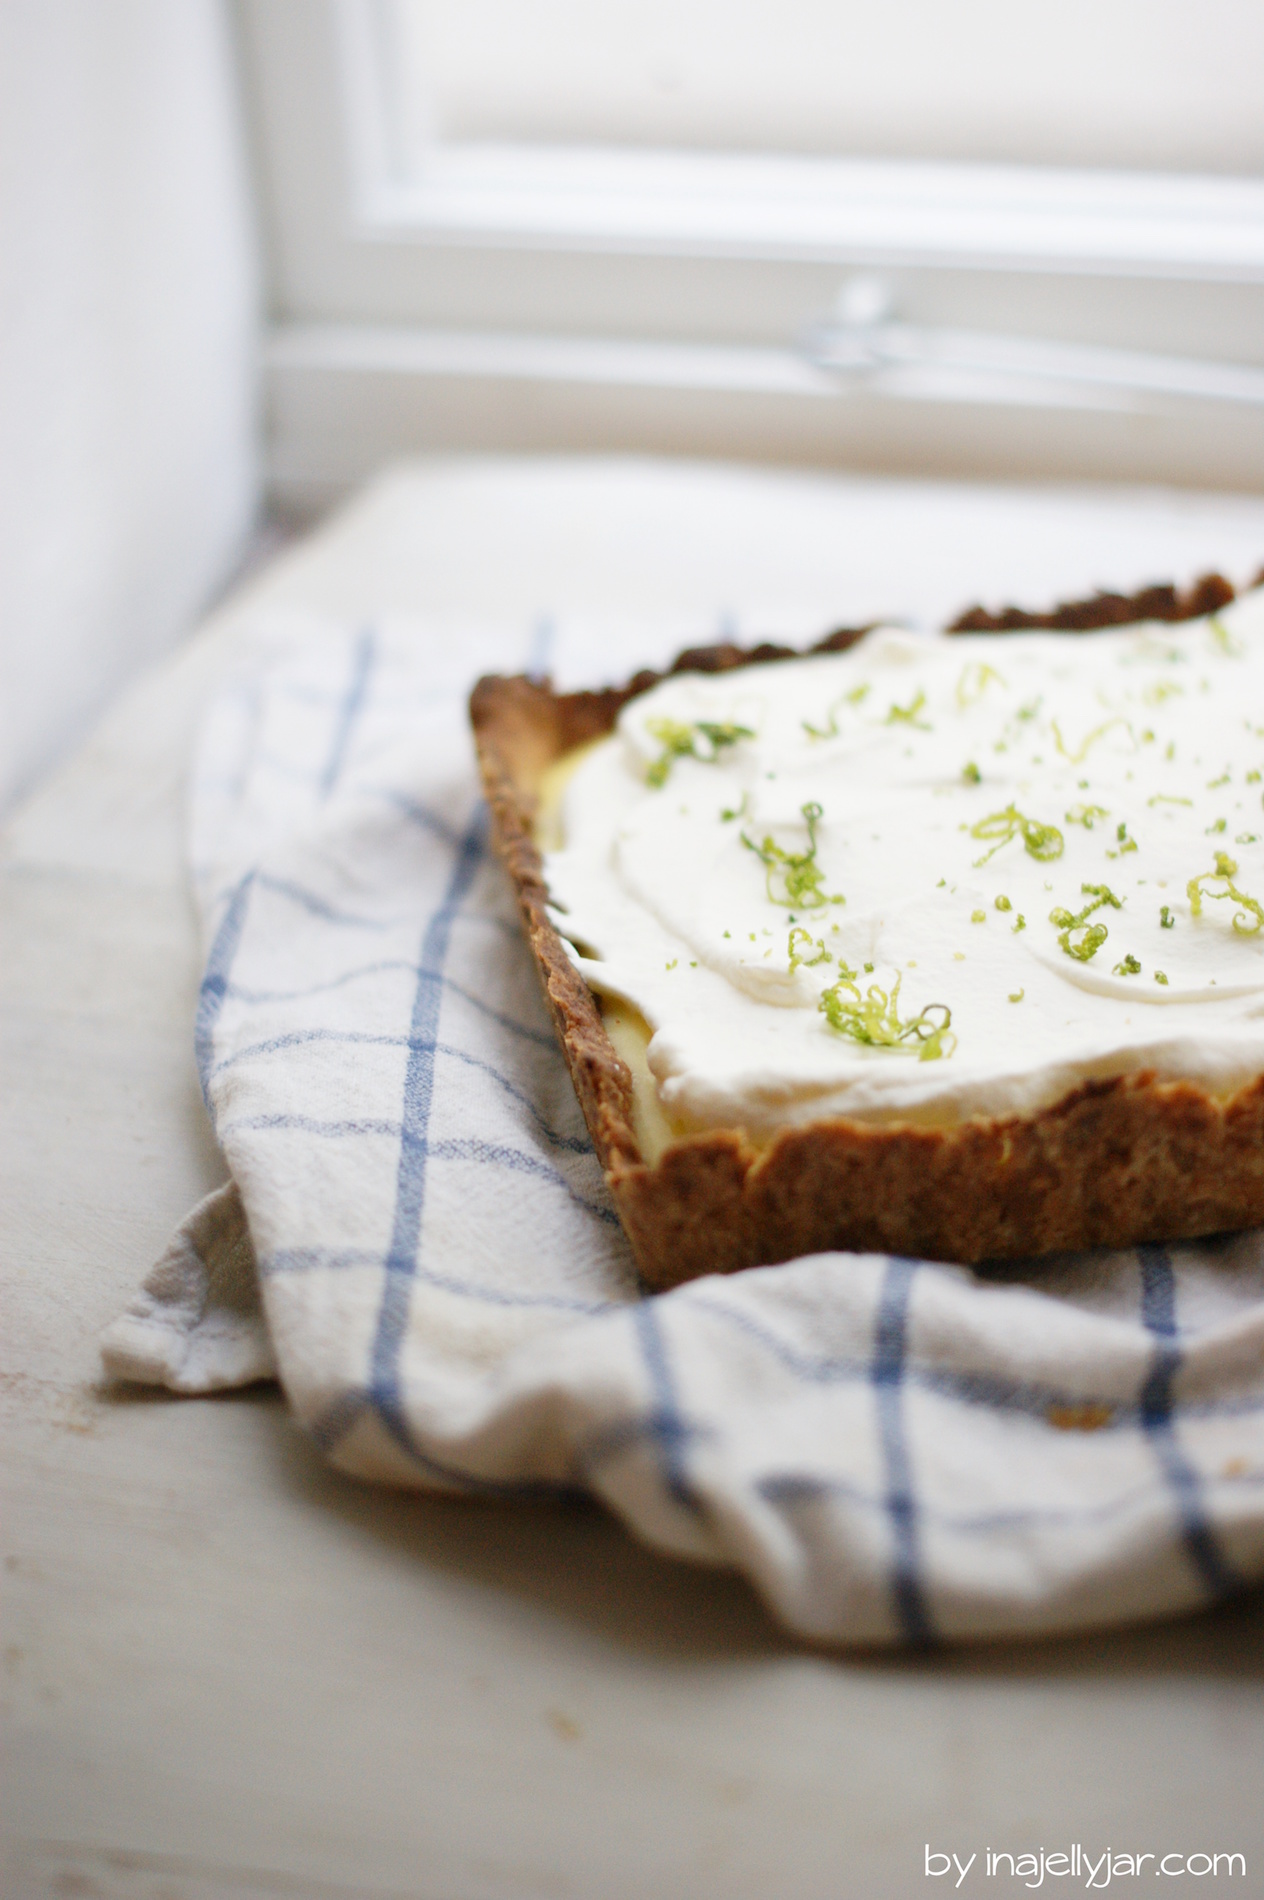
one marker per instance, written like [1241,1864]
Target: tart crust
[1113,1163]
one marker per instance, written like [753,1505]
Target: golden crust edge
[1114,1163]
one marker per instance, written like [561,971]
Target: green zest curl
[1099,732]
[681,742]
[1042,842]
[874,1019]
[1086,815]
[974,682]
[1231,648]
[830,731]
[797,872]
[1250,918]
[907,715]
[1095,935]
[801,941]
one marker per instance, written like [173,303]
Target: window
[986,238]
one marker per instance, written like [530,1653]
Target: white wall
[128,331]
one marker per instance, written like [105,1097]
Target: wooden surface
[229,1671]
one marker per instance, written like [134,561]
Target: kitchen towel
[416,1238]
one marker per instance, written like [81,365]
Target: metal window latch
[862,341]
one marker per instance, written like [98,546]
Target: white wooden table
[230,1671]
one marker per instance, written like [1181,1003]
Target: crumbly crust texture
[1113,1163]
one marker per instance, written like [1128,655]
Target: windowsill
[852,210]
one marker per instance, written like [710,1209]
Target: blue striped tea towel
[891,1450]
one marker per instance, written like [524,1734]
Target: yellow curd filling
[624,1024]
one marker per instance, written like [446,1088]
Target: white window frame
[997,320]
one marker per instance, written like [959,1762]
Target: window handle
[862,341]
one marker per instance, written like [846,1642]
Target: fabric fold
[196,1324]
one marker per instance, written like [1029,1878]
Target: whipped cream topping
[932,876]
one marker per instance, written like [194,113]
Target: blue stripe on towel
[301,1038]
[338,1259]
[317,906]
[793,1488]
[890,1346]
[349,710]
[215,983]
[665,1424]
[1158,1310]
[423,815]
[543,638]
[473,1149]
[986,1389]
[410,1188]
[541,1038]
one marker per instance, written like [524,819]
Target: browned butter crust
[1113,1163]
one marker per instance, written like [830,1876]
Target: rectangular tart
[1111,1159]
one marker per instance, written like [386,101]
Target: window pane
[1166,84]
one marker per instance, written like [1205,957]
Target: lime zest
[907,715]
[1231,648]
[1125,843]
[1098,732]
[800,942]
[1086,815]
[1042,842]
[798,871]
[1160,690]
[830,731]
[1094,935]
[874,1019]
[680,741]
[975,679]
[1225,872]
